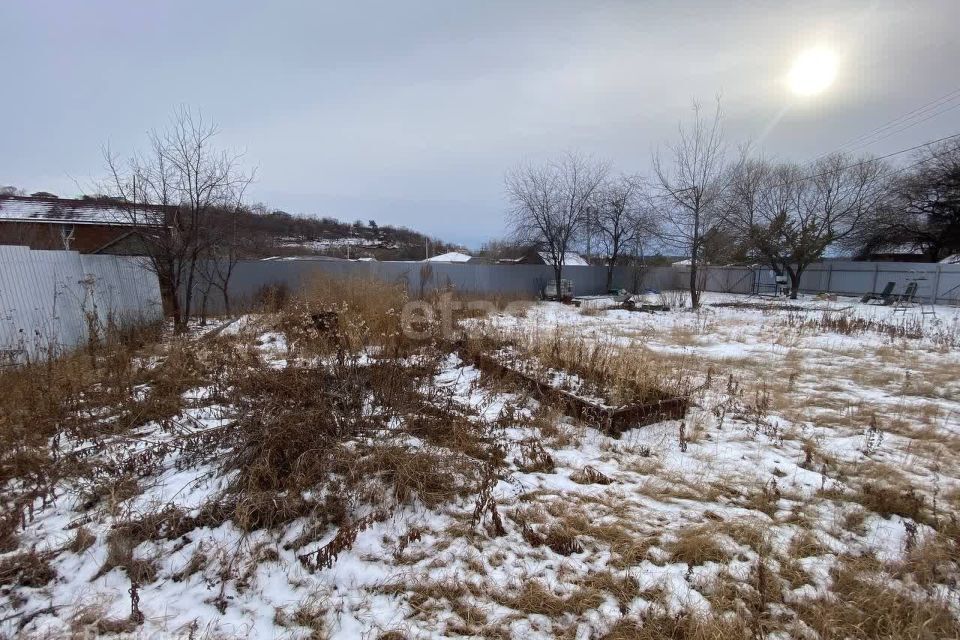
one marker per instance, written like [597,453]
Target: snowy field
[812,490]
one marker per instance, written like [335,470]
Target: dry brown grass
[92,621]
[590,475]
[887,500]
[82,540]
[597,528]
[621,374]
[352,426]
[935,559]
[120,554]
[68,396]
[804,545]
[624,588]
[865,604]
[696,545]
[26,569]
[535,597]
[752,533]
[679,627]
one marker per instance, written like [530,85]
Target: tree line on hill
[717,205]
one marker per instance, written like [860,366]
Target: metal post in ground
[936,285]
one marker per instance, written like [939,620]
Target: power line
[918,111]
[883,157]
[903,120]
[901,129]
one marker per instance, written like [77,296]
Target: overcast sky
[409,112]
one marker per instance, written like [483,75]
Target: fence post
[876,271]
[829,275]
[936,284]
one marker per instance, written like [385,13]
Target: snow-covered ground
[807,451]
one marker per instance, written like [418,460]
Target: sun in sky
[813,71]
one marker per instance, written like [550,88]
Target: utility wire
[904,120]
[883,157]
[901,129]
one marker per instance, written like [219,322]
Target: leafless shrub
[533,457]
[673,298]
[943,336]
[486,504]
[27,569]
[326,555]
[272,298]
[873,436]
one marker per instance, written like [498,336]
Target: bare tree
[227,244]
[497,249]
[791,215]
[622,219]
[171,193]
[923,206]
[549,203]
[692,182]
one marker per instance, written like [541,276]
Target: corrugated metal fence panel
[525,281]
[50,299]
[936,282]
[849,278]
[14,308]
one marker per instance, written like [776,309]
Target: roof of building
[61,210]
[303,259]
[452,256]
[570,259]
[902,249]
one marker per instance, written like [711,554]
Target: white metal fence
[52,300]
[936,283]
[940,283]
[526,281]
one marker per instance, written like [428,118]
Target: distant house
[87,226]
[452,256]
[304,259]
[570,259]
[906,252]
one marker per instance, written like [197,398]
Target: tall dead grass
[620,374]
[59,398]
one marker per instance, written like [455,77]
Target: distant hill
[285,234]
[278,233]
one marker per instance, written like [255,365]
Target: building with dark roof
[88,225]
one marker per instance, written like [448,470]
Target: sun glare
[812,72]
